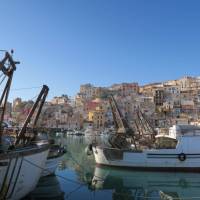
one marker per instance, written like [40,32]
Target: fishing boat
[183,153]
[180,153]
[16,181]
[21,159]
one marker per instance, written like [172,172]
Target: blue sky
[65,43]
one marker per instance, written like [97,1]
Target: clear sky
[65,43]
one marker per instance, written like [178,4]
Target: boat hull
[51,165]
[20,171]
[152,160]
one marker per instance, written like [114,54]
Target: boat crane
[7,68]
[123,130]
[120,122]
[142,133]
[145,131]
[36,109]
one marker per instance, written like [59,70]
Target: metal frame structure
[7,67]
[142,129]
[37,107]
[120,122]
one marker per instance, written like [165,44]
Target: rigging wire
[75,190]
[19,89]
[34,97]
[2,79]
[59,176]
[28,88]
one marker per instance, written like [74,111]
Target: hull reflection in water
[47,188]
[126,184]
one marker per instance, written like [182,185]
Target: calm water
[79,178]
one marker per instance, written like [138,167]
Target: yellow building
[91,116]
[97,117]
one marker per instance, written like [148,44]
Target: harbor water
[77,177]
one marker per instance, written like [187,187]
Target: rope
[28,88]
[70,193]
[34,97]
[80,185]
[64,178]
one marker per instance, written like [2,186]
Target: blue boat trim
[158,169]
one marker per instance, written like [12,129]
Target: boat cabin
[178,135]
[179,130]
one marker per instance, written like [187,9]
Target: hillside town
[164,104]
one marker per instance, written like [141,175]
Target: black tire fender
[182,157]
[90,147]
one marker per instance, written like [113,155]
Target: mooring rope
[80,185]
[59,176]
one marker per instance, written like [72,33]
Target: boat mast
[7,67]
[39,102]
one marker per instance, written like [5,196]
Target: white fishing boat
[20,170]
[183,153]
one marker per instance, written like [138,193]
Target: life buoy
[181,156]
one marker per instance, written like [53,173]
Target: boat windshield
[165,143]
[190,130]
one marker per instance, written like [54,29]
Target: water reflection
[47,188]
[111,183]
[126,184]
